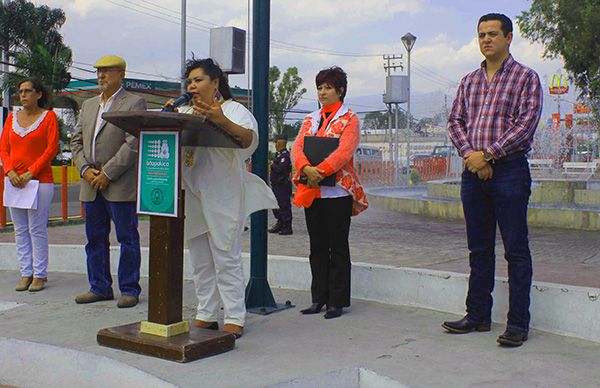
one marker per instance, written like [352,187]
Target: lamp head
[409,41]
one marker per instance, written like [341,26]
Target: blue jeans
[98,214]
[502,200]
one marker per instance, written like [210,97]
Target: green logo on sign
[157,189]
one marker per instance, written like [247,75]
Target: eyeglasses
[26,91]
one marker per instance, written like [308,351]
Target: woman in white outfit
[220,194]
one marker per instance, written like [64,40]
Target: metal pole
[5,69]
[408,125]
[259,298]
[396,145]
[183,45]
[391,135]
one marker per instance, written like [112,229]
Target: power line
[435,74]
[81,89]
[129,71]
[161,17]
[276,44]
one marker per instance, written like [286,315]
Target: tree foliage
[569,29]
[284,95]
[379,120]
[31,35]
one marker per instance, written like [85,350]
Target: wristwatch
[488,156]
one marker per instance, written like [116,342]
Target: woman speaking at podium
[219,195]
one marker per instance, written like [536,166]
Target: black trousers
[283,192]
[328,224]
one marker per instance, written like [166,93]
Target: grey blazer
[116,151]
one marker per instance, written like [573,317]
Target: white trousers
[31,234]
[218,273]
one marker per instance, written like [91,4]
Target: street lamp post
[183,44]
[5,69]
[409,41]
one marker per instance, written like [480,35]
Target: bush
[414,175]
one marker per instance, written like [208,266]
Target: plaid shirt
[501,116]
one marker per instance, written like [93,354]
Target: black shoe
[512,338]
[465,325]
[276,228]
[286,230]
[333,312]
[314,308]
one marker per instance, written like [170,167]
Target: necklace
[189,157]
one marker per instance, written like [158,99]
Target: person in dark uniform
[281,168]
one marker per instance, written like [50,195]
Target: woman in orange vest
[328,208]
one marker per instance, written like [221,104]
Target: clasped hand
[19,180]
[476,163]
[313,175]
[96,178]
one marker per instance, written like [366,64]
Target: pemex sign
[558,84]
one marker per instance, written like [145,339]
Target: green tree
[569,29]
[291,130]
[375,120]
[379,120]
[31,35]
[284,95]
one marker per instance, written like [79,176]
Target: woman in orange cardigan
[328,209]
[28,144]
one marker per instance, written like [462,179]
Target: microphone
[185,97]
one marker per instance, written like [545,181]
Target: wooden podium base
[198,343]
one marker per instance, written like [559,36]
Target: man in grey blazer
[106,158]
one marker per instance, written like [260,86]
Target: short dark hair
[38,86]
[506,23]
[336,77]
[212,70]
[281,137]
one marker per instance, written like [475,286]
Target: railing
[375,173]
[64,178]
[431,168]
[381,173]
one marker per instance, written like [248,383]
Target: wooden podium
[165,334]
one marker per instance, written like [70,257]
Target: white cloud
[151,44]
[79,7]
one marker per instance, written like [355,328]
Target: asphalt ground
[404,240]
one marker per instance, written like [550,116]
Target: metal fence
[65,205]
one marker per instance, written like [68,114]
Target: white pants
[31,234]
[218,273]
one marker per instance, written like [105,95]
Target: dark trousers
[502,200]
[283,193]
[98,214]
[328,224]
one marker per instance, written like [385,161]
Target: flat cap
[111,61]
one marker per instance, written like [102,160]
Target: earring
[218,96]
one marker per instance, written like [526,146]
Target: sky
[308,34]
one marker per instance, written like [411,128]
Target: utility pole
[259,298]
[5,69]
[409,41]
[389,66]
[183,45]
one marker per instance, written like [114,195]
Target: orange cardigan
[33,152]
[345,126]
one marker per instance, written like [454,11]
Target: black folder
[317,149]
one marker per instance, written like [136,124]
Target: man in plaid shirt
[493,119]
